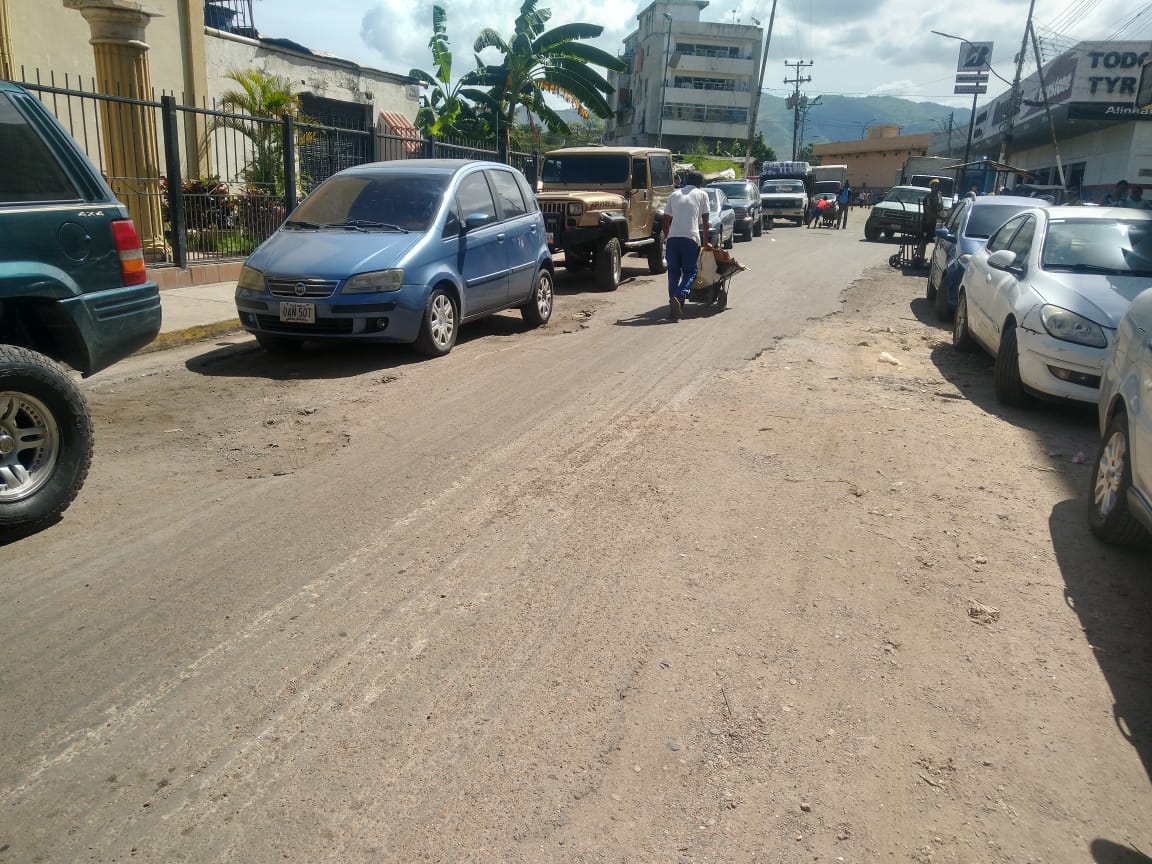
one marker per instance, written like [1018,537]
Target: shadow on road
[332,360]
[1110,590]
[659,315]
[585,283]
[1107,852]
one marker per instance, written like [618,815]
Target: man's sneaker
[676,308]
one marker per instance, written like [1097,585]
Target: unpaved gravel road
[618,590]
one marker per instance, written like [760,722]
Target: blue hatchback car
[402,251]
[966,229]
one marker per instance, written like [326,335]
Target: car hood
[331,254]
[739,202]
[897,207]
[1101,298]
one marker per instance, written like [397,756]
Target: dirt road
[620,590]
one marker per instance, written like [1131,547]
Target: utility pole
[755,108]
[1047,105]
[950,117]
[794,100]
[1014,93]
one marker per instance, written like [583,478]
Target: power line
[1131,22]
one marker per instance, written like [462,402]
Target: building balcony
[686,64]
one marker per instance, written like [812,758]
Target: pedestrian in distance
[1136,199]
[685,222]
[843,202]
[817,211]
[931,209]
[972,193]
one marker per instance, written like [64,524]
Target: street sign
[975,57]
[971,78]
[961,89]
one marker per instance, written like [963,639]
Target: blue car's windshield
[1116,247]
[403,202]
[985,220]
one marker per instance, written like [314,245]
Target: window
[705,113]
[1002,237]
[661,171]
[697,50]
[473,196]
[639,174]
[1021,243]
[30,171]
[952,223]
[508,194]
[698,83]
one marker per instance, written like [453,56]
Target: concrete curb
[188,335]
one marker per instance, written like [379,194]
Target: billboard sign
[975,57]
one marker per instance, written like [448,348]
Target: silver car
[1121,485]
[1045,294]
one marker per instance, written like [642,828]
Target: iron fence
[206,184]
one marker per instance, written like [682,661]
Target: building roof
[402,127]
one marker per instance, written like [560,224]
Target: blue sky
[859,46]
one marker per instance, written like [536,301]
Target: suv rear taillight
[131,254]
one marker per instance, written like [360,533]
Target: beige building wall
[55,40]
[875,162]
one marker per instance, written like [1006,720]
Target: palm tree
[443,111]
[267,97]
[538,62]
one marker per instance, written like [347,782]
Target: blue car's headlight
[250,279]
[374,282]
[1070,327]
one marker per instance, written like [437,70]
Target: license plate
[548,237]
[298,313]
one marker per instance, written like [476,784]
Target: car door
[1011,283]
[945,250]
[982,283]
[522,234]
[482,257]
[639,220]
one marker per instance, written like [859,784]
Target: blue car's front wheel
[439,326]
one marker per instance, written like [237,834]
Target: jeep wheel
[656,264]
[871,233]
[45,439]
[607,265]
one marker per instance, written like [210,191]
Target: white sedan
[1122,473]
[1045,294]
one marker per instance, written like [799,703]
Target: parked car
[1045,294]
[899,211]
[784,199]
[721,219]
[74,290]
[1121,485]
[402,251]
[967,228]
[744,197]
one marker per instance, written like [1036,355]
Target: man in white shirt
[684,214]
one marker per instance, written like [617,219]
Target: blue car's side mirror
[943,234]
[476,220]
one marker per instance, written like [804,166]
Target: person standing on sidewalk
[684,215]
[843,202]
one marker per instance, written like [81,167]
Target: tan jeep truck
[601,202]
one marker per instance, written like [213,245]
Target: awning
[401,127]
[988,165]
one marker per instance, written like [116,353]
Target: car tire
[538,309]
[931,292]
[656,263]
[1109,518]
[1006,374]
[943,307]
[279,344]
[757,227]
[962,339]
[607,265]
[440,324]
[45,439]
[870,233]
[730,242]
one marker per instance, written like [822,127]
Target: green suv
[74,290]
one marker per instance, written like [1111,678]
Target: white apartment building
[703,74]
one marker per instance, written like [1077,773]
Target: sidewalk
[194,313]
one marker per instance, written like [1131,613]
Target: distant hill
[843,118]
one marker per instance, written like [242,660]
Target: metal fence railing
[206,184]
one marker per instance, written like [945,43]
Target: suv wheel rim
[1110,473]
[443,320]
[29,445]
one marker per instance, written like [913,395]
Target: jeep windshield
[577,169]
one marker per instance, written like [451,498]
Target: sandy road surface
[616,590]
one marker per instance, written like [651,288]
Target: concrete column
[7,64]
[131,150]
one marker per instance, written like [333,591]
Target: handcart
[717,267]
[909,236]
